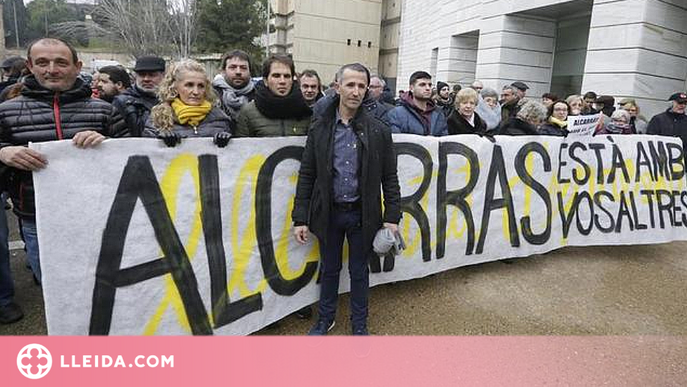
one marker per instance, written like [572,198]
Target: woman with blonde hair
[187,107]
[637,121]
[464,119]
[576,103]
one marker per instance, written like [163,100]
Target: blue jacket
[404,119]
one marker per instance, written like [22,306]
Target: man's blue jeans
[6,282]
[344,224]
[28,228]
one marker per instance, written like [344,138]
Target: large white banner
[140,239]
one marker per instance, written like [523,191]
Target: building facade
[325,34]
[624,48]
[389,41]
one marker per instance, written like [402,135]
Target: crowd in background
[47,97]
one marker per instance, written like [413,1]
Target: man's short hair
[53,41]
[277,58]
[550,96]
[117,74]
[590,95]
[512,89]
[354,67]
[311,74]
[235,54]
[381,80]
[419,75]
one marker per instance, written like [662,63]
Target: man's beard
[105,97]
[240,86]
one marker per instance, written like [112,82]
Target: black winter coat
[134,105]
[518,127]
[457,124]
[216,121]
[314,191]
[33,117]
[669,124]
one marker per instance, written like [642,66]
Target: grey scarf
[232,99]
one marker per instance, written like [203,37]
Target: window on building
[349,42]
[369,44]
[359,43]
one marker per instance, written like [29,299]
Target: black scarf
[291,106]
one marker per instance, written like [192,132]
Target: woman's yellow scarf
[560,123]
[192,115]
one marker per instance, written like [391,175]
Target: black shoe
[10,313]
[360,330]
[321,328]
[305,313]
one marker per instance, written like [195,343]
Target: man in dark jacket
[13,68]
[112,81]
[444,100]
[672,122]
[311,86]
[509,102]
[278,108]
[60,107]
[135,103]
[416,113]
[347,157]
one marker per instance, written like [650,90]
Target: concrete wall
[638,49]
[625,48]
[389,40]
[325,34]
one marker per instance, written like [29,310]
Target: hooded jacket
[408,118]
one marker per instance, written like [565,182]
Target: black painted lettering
[223,310]
[497,171]
[599,204]
[527,179]
[456,198]
[263,223]
[587,171]
[138,181]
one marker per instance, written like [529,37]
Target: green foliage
[44,13]
[231,24]
[9,9]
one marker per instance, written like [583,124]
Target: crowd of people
[348,156]
[482,111]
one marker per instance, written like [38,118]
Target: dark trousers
[6,282]
[346,224]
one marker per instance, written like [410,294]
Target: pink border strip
[349,361]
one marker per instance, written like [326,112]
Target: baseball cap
[678,97]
